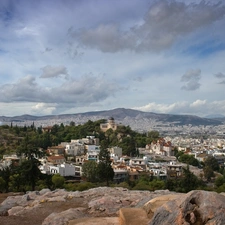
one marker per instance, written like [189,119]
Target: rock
[95,221]
[44,191]
[151,206]
[8,203]
[133,216]
[64,217]
[195,207]
[57,199]
[15,210]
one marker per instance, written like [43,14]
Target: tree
[208,172]
[188,159]
[29,167]
[2,184]
[105,170]
[72,123]
[152,136]
[189,181]
[90,170]
[15,182]
[5,174]
[30,172]
[58,180]
[212,163]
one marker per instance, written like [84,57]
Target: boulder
[64,217]
[15,210]
[151,206]
[133,216]
[95,221]
[196,207]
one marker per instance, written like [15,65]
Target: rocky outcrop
[195,207]
[97,202]
[151,206]
[104,205]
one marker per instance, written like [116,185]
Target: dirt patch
[38,214]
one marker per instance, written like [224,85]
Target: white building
[64,170]
[74,149]
[115,151]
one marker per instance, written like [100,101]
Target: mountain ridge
[121,114]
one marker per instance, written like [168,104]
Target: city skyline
[61,57]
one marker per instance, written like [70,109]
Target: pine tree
[105,170]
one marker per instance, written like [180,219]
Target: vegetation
[30,142]
[188,159]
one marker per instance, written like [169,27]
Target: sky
[73,56]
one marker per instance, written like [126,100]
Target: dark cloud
[220,76]
[164,23]
[50,71]
[86,90]
[191,79]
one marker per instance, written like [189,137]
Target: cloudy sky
[70,56]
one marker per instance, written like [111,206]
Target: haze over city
[160,56]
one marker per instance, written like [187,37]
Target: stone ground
[40,213]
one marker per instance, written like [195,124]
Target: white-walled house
[64,170]
[115,151]
[74,149]
[142,162]
[90,148]
[92,155]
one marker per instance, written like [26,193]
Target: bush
[85,186]
[58,180]
[142,186]
[157,185]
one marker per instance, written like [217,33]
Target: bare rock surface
[196,207]
[102,204]
[151,206]
[49,207]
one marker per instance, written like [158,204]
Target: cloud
[191,78]
[107,38]
[43,108]
[82,91]
[49,71]
[164,23]
[220,76]
[198,107]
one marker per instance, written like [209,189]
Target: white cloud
[42,108]
[198,107]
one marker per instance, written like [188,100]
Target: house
[92,155]
[56,159]
[115,151]
[65,170]
[174,170]
[73,149]
[140,162]
[201,156]
[56,150]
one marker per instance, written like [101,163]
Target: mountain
[215,116]
[122,115]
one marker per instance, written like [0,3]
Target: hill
[134,118]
